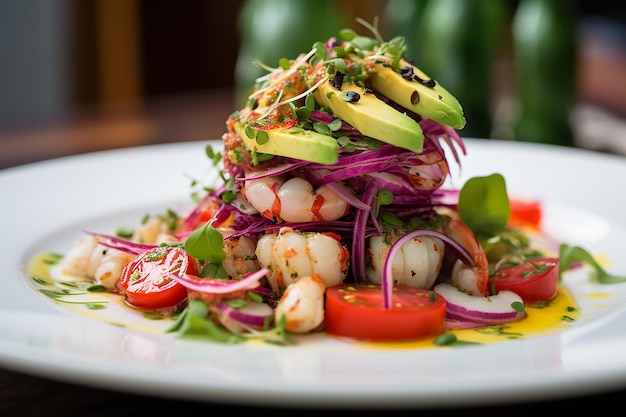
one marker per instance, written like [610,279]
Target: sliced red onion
[464,310]
[223,286]
[387,278]
[120,244]
[357,251]
[192,220]
[252,314]
[392,182]
[318,176]
[272,172]
[437,130]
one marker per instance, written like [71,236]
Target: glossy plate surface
[45,206]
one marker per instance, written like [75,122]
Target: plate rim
[388,399]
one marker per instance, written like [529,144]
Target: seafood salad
[332,214]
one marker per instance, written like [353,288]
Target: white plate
[45,206]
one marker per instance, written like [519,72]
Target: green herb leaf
[262,137]
[321,128]
[194,322]
[484,205]
[385,197]
[335,125]
[214,270]
[570,255]
[206,244]
[517,306]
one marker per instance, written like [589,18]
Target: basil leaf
[206,244]
[484,205]
[570,255]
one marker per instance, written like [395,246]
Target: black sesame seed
[337,82]
[428,83]
[350,96]
[406,72]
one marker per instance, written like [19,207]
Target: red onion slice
[222,286]
[253,315]
[482,311]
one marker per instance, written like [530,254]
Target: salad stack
[332,214]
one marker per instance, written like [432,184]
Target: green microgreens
[215,157]
[347,144]
[262,137]
[484,206]
[74,288]
[385,197]
[254,296]
[303,113]
[450,339]
[335,125]
[570,255]
[320,54]
[322,128]
[124,233]
[236,302]
[284,63]
[214,270]
[517,306]
[258,157]
[500,331]
[195,322]
[228,196]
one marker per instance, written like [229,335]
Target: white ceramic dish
[45,206]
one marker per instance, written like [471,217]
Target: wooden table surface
[180,118]
[176,119]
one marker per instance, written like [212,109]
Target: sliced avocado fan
[370,115]
[355,75]
[306,145]
[415,91]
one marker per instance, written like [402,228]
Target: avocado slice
[435,103]
[371,116]
[306,145]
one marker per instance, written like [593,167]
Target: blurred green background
[530,70]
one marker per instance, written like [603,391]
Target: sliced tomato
[357,311]
[535,280]
[145,280]
[525,213]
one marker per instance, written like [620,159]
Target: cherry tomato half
[535,280]
[357,311]
[525,213]
[145,282]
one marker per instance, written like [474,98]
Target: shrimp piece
[302,304]
[290,255]
[431,174]
[472,280]
[110,269]
[417,264]
[153,232]
[293,200]
[261,194]
[90,260]
[240,257]
[240,260]
[84,258]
